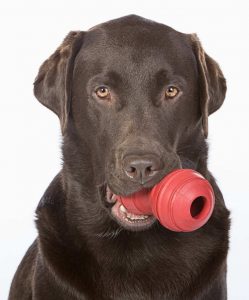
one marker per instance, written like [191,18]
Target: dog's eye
[102,92]
[171,92]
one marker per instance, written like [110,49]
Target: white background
[30,135]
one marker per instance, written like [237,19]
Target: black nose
[141,168]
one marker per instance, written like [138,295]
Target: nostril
[131,171]
[141,168]
[149,171]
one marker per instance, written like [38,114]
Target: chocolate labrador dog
[133,97]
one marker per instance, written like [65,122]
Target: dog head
[133,98]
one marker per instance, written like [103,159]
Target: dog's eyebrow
[164,76]
[110,78]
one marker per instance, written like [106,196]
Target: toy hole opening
[197,206]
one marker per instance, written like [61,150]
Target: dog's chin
[122,216]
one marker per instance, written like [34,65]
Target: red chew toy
[181,201]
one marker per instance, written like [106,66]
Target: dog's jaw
[124,218]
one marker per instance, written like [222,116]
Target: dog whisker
[110,234]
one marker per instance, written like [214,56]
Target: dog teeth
[131,216]
[123,209]
[136,217]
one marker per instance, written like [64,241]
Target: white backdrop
[30,135]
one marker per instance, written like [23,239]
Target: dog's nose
[141,168]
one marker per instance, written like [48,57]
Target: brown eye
[171,92]
[102,92]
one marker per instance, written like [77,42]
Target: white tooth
[122,208]
[136,217]
[130,215]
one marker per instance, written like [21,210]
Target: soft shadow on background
[30,135]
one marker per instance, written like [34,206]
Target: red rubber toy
[181,201]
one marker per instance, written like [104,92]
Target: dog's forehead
[137,42]
[134,29]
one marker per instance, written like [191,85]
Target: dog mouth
[125,218]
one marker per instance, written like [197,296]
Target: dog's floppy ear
[212,83]
[52,86]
